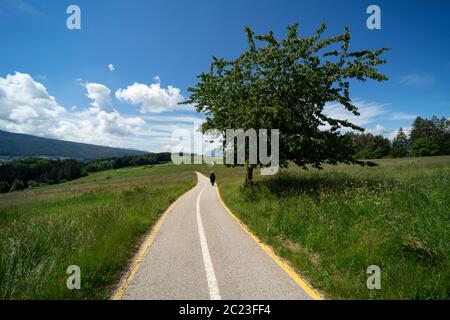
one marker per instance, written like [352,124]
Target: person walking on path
[212,178]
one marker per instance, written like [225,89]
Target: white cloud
[100,96]
[177,118]
[111,67]
[20,7]
[401,116]
[26,107]
[22,100]
[151,98]
[372,114]
[378,130]
[369,112]
[417,80]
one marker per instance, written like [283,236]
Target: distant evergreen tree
[400,145]
[443,136]
[421,128]
[430,137]
[422,147]
[379,147]
[369,146]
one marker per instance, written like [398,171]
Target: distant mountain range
[15,145]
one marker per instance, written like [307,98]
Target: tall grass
[333,224]
[94,222]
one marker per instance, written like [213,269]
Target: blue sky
[64,88]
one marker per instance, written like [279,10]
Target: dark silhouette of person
[212,178]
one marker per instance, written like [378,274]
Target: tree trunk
[249,176]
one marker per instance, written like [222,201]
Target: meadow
[332,224]
[329,224]
[96,223]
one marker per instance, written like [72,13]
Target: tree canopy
[286,84]
[430,137]
[369,146]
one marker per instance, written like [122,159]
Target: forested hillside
[14,145]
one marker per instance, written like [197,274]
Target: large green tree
[286,84]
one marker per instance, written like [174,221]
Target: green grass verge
[95,223]
[333,224]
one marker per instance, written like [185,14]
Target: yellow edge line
[286,267]
[128,277]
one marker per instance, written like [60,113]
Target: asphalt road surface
[201,252]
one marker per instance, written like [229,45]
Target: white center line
[210,274]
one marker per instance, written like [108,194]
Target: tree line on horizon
[32,172]
[428,137]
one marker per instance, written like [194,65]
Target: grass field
[330,224]
[95,223]
[333,224]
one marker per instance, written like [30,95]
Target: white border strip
[214,292]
